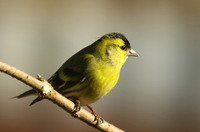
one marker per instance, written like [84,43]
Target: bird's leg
[77,107]
[96,115]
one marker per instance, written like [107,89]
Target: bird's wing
[66,78]
[72,72]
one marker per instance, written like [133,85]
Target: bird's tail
[28,93]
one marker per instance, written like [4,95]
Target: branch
[49,93]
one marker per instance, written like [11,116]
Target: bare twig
[48,92]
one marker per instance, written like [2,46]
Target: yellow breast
[100,80]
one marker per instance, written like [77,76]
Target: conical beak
[131,52]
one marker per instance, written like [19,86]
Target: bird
[91,73]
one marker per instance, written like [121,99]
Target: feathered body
[92,72]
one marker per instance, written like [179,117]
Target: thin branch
[49,93]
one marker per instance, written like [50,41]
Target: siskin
[92,72]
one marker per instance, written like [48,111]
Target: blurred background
[157,92]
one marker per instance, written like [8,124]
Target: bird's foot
[96,115]
[77,108]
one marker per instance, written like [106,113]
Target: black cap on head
[116,35]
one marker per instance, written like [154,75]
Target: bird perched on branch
[92,72]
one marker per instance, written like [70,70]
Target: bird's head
[115,48]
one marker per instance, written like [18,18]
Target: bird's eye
[123,47]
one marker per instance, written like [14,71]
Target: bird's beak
[131,52]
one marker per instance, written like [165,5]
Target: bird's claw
[99,119]
[77,108]
[96,116]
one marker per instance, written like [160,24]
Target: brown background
[157,92]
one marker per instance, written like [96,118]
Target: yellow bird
[92,72]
